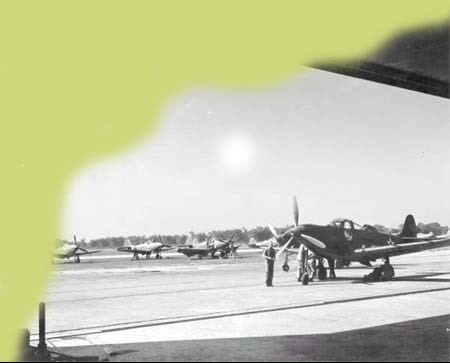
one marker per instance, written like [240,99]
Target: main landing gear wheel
[77,259]
[285,267]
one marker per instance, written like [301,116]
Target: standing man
[302,259]
[269,254]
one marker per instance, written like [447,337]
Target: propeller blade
[75,240]
[231,239]
[280,252]
[274,232]
[314,241]
[296,216]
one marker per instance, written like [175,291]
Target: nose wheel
[285,267]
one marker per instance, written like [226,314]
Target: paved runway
[114,302]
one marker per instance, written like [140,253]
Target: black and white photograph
[301,221]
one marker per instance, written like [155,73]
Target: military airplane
[210,246]
[263,244]
[345,240]
[69,250]
[145,249]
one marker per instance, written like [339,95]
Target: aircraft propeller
[77,245]
[296,215]
[294,233]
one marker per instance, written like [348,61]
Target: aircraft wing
[228,248]
[166,248]
[84,252]
[129,250]
[193,251]
[125,249]
[294,251]
[372,253]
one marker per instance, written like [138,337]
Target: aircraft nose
[291,232]
[302,229]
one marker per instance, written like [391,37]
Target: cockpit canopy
[342,223]
[345,223]
[369,228]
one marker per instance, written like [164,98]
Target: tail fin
[127,243]
[409,228]
[192,240]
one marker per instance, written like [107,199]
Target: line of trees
[240,236]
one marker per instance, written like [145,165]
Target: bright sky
[228,159]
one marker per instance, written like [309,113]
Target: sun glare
[236,152]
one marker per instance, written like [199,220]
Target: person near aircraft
[269,254]
[331,266]
[302,259]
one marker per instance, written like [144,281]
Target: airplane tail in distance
[409,228]
[191,239]
[127,243]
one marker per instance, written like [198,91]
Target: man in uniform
[269,254]
[302,259]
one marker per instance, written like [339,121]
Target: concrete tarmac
[116,303]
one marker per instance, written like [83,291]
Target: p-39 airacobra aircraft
[145,249]
[345,240]
[69,250]
[210,246]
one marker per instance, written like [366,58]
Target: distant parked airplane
[69,250]
[145,249]
[210,246]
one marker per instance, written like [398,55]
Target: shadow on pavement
[416,340]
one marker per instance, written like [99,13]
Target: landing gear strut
[285,266]
[77,259]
